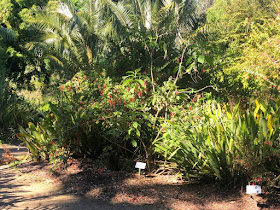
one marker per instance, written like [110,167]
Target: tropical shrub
[92,113]
[202,143]
[221,143]
[257,131]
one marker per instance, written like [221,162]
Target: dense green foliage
[168,81]
[224,142]
[245,37]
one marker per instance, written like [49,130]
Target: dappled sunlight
[122,197]
[153,179]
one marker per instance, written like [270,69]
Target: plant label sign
[140,165]
[253,189]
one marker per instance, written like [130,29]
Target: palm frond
[121,13]
[8,34]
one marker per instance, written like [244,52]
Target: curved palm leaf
[8,34]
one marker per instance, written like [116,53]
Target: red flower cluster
[62,87]
[139,93]
[111,102]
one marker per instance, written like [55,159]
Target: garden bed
[83,179]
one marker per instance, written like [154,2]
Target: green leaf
[127,82]
[135,124]
[189,60]
[201,59]
[141,82]
[138,133]
[173,153]
[129,131]
[269,124]
[46,107]
[134,143]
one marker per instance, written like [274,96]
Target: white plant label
[253,189]
[140,165]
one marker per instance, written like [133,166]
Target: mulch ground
[160,191]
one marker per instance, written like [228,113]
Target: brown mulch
[82,178]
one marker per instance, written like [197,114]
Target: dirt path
[17,193]
[27,191]
[16,151]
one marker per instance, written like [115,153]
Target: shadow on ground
[83,186]
[120,190]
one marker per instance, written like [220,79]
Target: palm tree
[73,38]
[68,37]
